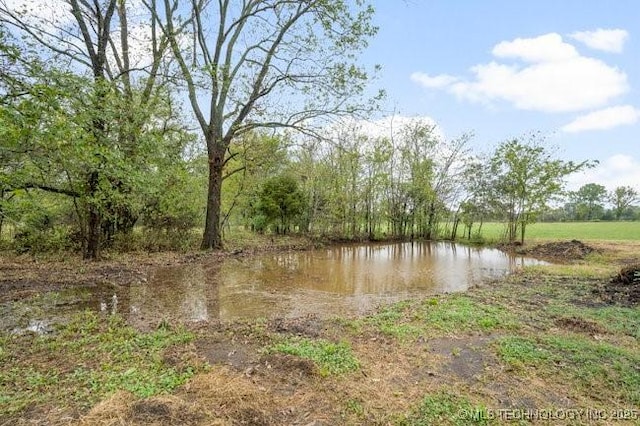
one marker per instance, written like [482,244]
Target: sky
[503,68]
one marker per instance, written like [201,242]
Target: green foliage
[176,200]
[254,158]
[41,224]
[622,198]
[525,178]
[280,203]
[151,239]
[589,201]
[91,143]
[331,358]
[54,239]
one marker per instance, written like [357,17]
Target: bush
[53,239]
[156,240]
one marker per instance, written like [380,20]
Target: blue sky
[499,69]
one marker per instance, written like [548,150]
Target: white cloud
[547,75]
[545,48]
[604,119]
[617,170]
[606,40]
[437,82]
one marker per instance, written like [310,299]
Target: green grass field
[611,231]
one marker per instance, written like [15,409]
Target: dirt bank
[557,251]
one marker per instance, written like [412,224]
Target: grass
[439,316]
[87,360]
[603,231]
[610,369]
[612,319]
[445,408]
[331,358]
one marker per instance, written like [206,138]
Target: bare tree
[263,64]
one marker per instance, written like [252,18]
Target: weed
[445,408]
[613,319]
[354,406]
[331,358]
[591,365]
[395,320]
[433,317]
[522,352]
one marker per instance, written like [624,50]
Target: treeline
[593,202]
[79,159]
[351,185]
[402,181]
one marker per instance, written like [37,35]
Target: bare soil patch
[236,355]
[308,326]
[623,288]
[465,358]
[579,325]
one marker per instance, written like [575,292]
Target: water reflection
[184,293]
[343,280]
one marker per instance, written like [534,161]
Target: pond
[344,280]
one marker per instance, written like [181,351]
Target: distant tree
[281,203]
[589,200]
[525,177]
[622,198]
[478,184]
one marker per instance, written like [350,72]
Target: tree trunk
[1,212]
[94,222]
[454,228]
[431,219]
[212,239]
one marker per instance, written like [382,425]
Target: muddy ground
[245,385]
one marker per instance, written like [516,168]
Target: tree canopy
[169,115]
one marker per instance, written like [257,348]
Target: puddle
[345,280]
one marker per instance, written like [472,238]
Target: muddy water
[345,280]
